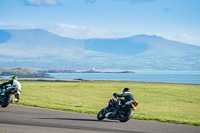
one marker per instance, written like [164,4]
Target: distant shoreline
[92,80]
[87,75]
[30,73]
[83,71]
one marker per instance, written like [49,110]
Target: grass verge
[173,103]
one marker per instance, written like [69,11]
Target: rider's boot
[15,100]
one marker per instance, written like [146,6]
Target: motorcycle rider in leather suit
[15,88]
[128,97]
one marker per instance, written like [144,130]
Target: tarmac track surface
[22,119]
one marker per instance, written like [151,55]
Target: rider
[15,88]
[128,97]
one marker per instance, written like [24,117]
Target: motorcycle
[124,113]
[5,97]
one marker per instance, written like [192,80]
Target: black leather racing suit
[7,83]
[128,96]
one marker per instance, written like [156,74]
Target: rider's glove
[115,94]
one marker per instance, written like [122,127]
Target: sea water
[173,77]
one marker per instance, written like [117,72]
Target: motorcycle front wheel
[101,115]
[126,116]
[7,101]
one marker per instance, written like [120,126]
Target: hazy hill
[38,48]
[23,73]
[142,45]
[37,43]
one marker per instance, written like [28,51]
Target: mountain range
[40,49]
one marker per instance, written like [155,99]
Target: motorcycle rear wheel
[126,117]
[101,115]
[7,101]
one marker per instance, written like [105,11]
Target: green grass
[173,103]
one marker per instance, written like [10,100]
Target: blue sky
[177,20]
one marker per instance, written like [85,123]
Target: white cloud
[16,25]
[66,30]
[36,2]
[82,32]
[182,37]
[41,2]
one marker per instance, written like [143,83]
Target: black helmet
[126,89]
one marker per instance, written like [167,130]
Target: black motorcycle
[124,113]
[5,97]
